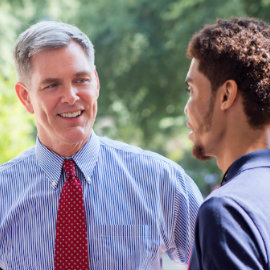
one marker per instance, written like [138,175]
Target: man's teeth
[70,115]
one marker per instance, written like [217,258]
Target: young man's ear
[23,94]
[228,94]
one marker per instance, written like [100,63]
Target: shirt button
[88,179]
[54,184]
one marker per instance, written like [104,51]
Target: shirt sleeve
[186,205]
[225,238]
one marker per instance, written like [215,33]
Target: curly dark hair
[237,49]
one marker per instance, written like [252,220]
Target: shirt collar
[259,158]
[86,157]
[51,163]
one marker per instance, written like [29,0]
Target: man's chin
[199,152]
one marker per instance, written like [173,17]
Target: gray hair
[47,35]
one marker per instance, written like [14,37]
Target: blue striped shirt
[138,206]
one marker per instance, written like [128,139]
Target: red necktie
[71,245]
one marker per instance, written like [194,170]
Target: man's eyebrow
[53,80]
[82,73]
[49,80]
[188,80]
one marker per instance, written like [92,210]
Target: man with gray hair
[76,200]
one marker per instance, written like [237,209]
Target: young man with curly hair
[228,113]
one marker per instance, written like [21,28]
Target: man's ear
[96,75]
[23,94]
[228,94]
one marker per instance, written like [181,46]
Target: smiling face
[62,93]
[202,116]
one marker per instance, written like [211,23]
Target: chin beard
[199,153]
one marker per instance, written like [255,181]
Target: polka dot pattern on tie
[71,244]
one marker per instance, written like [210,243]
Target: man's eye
[83,80]
[52,85]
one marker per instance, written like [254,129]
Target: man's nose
[70,94]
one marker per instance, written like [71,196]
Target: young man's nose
[186,108]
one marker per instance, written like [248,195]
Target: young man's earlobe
[228,95]
[23,94]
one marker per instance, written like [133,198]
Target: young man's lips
[188,126]
[190,135]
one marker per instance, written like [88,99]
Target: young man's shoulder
[245,197]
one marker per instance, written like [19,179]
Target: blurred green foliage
[141,60]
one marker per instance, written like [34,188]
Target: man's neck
[66,150]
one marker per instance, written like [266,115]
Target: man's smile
[71,114]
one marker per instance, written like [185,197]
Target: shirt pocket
[128,247]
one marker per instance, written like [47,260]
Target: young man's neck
[241,143]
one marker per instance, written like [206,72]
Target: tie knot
[69,167]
